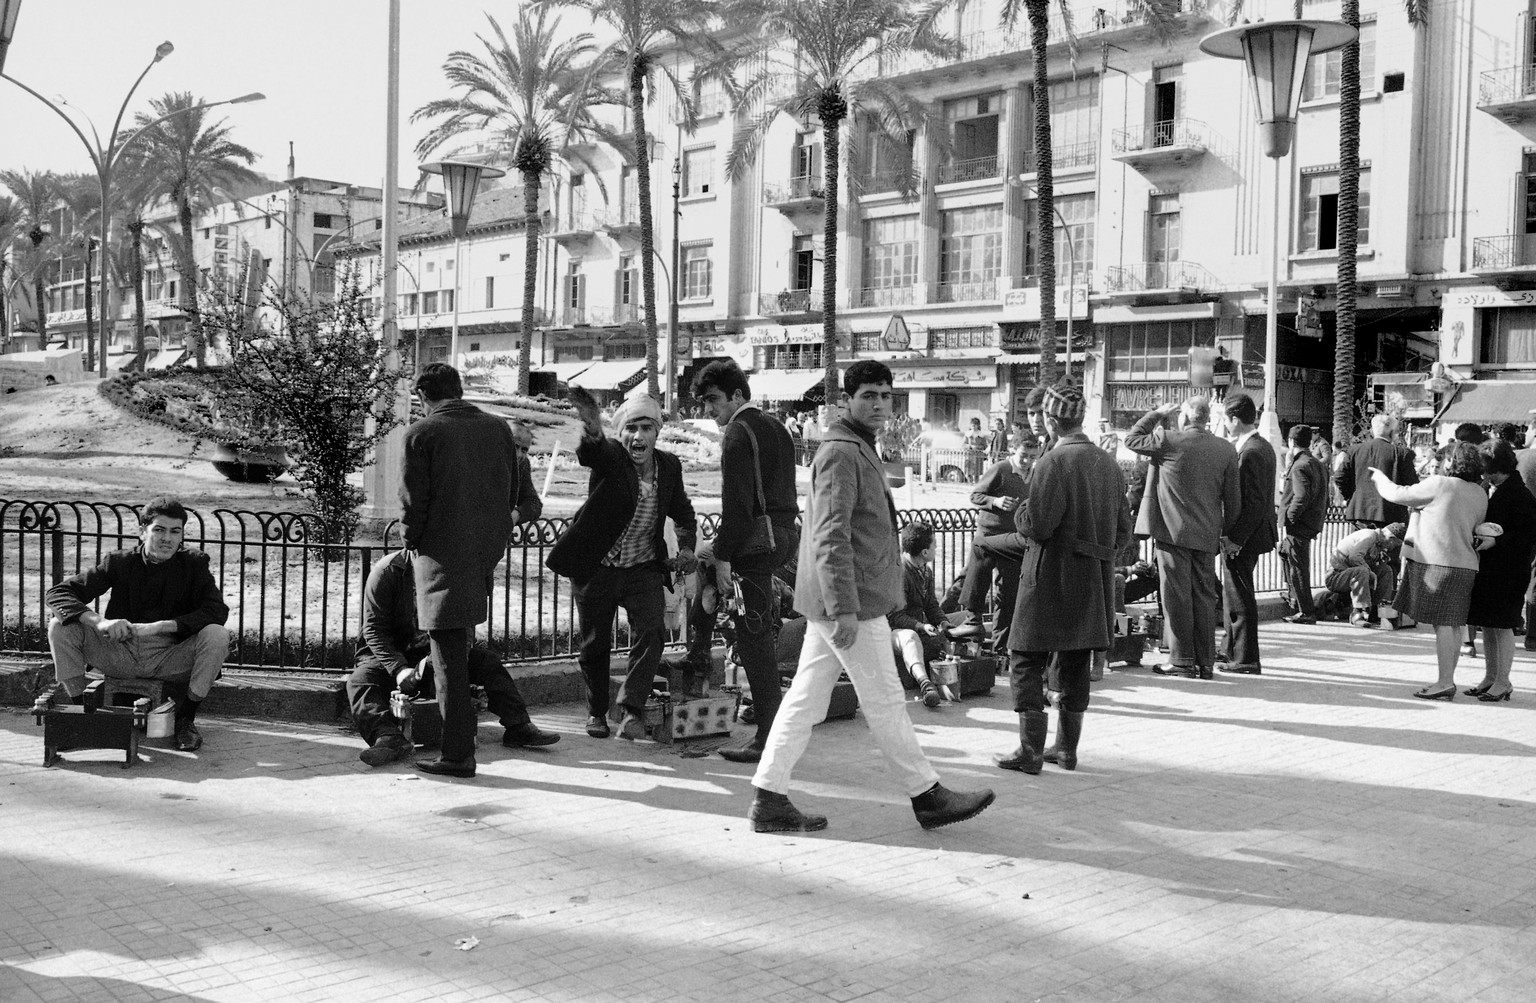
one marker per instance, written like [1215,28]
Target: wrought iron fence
[296,602]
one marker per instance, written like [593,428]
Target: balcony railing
[790,301]
[890,181]
[971,169]
[886,296]
[1507,85]
[586,316]
[968,292]
[622,219]
[805,188]
[628,313]
[1157,275]
[1181,132]
[1493,254]
[1067,156]
[573,223]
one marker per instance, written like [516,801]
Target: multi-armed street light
[104,157]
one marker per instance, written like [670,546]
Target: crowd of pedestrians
[1057,524]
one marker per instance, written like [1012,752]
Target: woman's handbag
[760,540]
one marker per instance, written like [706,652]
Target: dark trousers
[1026,670]
[1242,612]
[638,591]
[370,685]
[1003,553]
[450,672]
[1188,582]
[756,630]
[1298,573]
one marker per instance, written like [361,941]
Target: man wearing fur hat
[1076,519]
[615,553]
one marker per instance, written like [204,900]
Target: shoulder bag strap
[757,468]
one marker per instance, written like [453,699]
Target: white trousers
[870,663]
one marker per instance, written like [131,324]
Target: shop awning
[619,374]
[564,371]
[784,384]
[1490,401]
[1028,359]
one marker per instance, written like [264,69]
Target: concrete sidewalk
[1311,834]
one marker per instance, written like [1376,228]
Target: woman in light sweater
[1439,564]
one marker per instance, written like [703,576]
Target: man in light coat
[459,489]
[849,579]
[1191,501]
[1076,519]
[1252,534]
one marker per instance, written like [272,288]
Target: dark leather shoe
[387,749]
[631,727]
[462,768]
[528,735]
[1303,619]
[597,727]
[1240,670]
[939,806]
[1205,672]
[742,754]
[781,816]
[188,738]
[1187,671]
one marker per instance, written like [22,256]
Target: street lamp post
[672,279]
[1276,54]
[461,179]
[105,158]
[9,10]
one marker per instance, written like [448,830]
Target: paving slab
[1311,833]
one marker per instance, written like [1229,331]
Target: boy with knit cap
[615,554]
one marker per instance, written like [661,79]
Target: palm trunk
[1045,204]
[1349,235]
[647,229]
[187,295]
[90,315]
[137,229]
[530,276]
[832,110]
[38,290]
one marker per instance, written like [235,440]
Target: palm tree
[1159,15]
[36,195]
[10,215]
[191,157]
[530,98]
[1346,292]
[81,194]
[645,30]
[833,70]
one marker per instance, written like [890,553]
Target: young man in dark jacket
[1303,504]
[164,620]
[615,553]
[757,461]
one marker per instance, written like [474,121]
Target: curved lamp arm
[94,151]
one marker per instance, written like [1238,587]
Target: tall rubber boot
[1069,728]
[1027,757]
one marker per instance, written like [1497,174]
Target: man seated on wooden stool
[164,619]
[396,653]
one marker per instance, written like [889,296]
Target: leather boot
[1069,728]
[1027,758]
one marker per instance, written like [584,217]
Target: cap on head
[635,408]
[1065,404]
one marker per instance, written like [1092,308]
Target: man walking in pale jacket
[850,577]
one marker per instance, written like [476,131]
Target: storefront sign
[705,347]
[919,377]
[797,334]
[1143,397]
[1024,304]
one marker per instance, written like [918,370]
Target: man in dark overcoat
[1363,504]
[615,551]
[1191,500]
[1252,535]
[1076,518]
[460,492]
